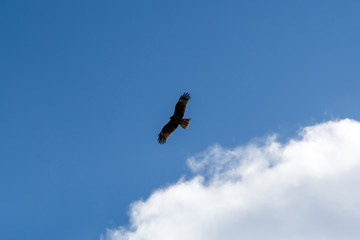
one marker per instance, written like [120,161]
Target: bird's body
[176,119]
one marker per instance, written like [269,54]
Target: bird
[176,119]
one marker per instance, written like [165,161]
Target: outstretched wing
[181,105]
[168,129]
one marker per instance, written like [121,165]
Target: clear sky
[86,86]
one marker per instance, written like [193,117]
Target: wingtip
[185,96]
[161,139]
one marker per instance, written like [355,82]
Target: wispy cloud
[307,188]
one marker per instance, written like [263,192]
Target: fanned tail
[184,123]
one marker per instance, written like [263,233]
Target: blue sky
[86,86]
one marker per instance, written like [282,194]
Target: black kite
[176,119]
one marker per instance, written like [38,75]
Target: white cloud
[308,188]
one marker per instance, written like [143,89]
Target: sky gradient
[85,87]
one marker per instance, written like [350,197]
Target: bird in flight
[176,119]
